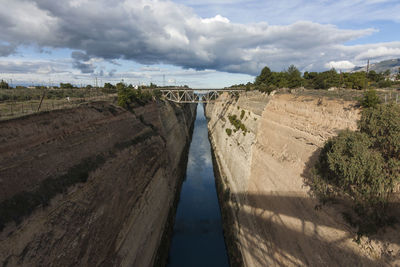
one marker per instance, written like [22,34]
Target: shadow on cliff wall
[345,205]
[290,227]
[221,115]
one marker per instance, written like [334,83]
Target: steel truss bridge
[187,95]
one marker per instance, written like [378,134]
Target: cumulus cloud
[379,52]
[157,31]
[32,67]
[340,65]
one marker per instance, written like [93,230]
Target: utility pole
[366,74]
[341,79]
[163,80]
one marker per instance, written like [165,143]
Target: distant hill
[392,64]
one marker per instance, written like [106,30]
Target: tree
[385,83]
[109,86]
[294,77]
[66,86]
[3,85]
[265,77]
[356,80]
[370,99]
[387,74]
[124,95]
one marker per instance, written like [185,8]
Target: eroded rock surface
[118,216]
[273,220]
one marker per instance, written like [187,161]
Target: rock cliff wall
[91,186]
[272,219]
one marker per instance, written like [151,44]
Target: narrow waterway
[198,238]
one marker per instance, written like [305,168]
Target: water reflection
[198,239]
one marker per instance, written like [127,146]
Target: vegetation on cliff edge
[268,80]
[363,165]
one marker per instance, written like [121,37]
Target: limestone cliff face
[128,167]
[273,220]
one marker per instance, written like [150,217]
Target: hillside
[392,64]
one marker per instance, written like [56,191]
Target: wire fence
[13,109]
[386,96]
[391,97]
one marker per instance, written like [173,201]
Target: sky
[199,43]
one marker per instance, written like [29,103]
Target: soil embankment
[94,185]
[272,220]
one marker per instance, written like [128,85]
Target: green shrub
[237,123]
[242,114]
[348,163]
[3,85]
[128,96]
[382,124]
[364,165]
[370,99]
[385,83]
[228,131]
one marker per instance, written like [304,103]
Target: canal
[198,238]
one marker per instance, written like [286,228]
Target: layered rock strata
[270,217]
[91,186]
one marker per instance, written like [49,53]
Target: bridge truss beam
[194,95]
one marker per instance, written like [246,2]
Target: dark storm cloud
[152,32]
[6,50]
[81,62]
[80,56]
[83,67]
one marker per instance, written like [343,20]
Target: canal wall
[94,185]
[262,167]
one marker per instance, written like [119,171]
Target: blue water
[198,238]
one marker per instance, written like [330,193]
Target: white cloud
[217,18]
[290,11]
[340,65]
[379,52]
[156,31]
